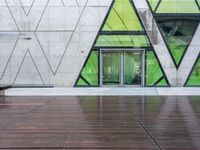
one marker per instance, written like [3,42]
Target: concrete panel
[99,3]
[78,49]
[7,22]
[2,3]
[91,19]
[60,18]
[54,46]
[7,44]
[26,3]
[27,41]
[56,3]
[68,3]
[63,79]
[79,3]
[28,73]
[26,21]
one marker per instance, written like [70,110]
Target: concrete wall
[46,42]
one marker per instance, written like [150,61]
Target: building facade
[94,43]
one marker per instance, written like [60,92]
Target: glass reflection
[166,118]
[132,68]
[111,68]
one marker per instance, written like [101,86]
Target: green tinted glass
[122,17]
[194,79]
[90,71]
[122,41]
[178,6]
[111,68]
[153,71]
[81,82]
[177,34]
[153,4]
[163,82]
[121,29]
[132,68]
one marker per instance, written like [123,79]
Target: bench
[3,88]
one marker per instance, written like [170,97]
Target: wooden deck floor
[98,123]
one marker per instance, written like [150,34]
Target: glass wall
[194,79]
[154,73]
[122,29]
[133,68]
[111,68]
[178,21]
[89,74]
[174,6]
[177,34]
[122,17]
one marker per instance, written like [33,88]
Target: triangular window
[121,29]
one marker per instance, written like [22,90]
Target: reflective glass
[153,4]
[132,68]
[153,70]
[122,41]
[194,79]
[177,34]
[111,68]
[163,82]
[178,6]
[90,70]
[122,17]
[81,82]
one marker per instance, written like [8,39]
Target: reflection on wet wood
[100,123]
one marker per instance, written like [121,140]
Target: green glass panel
[163,82]
[178,6]
[122,17]
[90,71]
[81,82]
[153,70]
[132,68]
[122,41]
[177,34]
[153,4]
[111,68]
[194,79]
[177,48]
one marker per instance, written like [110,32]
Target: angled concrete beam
[189,59]
[157,41]
[174,76]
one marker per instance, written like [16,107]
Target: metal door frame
[121,78]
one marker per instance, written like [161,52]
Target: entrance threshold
[102,91]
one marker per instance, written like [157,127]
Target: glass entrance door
[132,68]
[121,68]
[111,69]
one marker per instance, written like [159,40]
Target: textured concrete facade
[46,42]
